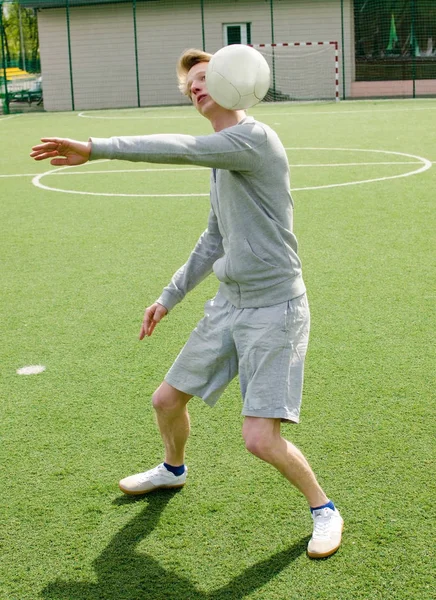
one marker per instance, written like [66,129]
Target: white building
[123,54]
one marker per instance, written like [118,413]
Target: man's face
[196,83]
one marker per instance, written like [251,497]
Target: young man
[257,326]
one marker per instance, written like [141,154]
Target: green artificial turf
[78,271]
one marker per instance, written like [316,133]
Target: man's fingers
[66,152]
[146,327]
[47,144]
[142,332]
[46,150]
[152,316]
[151,327]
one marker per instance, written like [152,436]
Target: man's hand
[74,153]
[153,314]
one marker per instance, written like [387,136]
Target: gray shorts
[265,346]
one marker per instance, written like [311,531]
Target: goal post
[302,71]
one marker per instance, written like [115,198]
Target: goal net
[302,71]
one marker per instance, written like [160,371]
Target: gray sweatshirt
[248,242]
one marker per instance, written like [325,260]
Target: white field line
[19,175]
[260,114]
[37,183]
[359,164]
[8,117]
[313,165]
[174,169]
[426,164]
[342,112]
[141,117]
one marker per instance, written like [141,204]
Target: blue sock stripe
[328,505]
[176,470]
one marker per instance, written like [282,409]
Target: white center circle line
[424,163]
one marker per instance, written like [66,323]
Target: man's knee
[258,438]
[168,399]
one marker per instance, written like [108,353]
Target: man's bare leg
[173,420]
[263,439]
[172,416]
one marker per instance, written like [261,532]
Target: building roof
[64,3]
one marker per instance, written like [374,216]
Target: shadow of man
[124,574]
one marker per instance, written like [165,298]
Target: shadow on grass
[125,575]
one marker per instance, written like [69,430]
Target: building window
[236,33]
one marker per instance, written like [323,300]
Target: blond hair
[188,59]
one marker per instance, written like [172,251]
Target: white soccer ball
[237,77]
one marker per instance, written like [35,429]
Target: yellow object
[16,73]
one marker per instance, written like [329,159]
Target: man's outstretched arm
[240,150]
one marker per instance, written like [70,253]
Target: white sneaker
[327,533]
[156,478]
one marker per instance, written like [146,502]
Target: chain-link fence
[395,47]
[90,54]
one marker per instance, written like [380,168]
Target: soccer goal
[302,70]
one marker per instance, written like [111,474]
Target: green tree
[21,33]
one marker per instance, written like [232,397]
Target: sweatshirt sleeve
[237,148]
[199,265]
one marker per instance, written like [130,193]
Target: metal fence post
[202,25]
[135,35]
[271,8]
[343,52]
[412,45]
[67,7]
[5,100]
[23,49]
